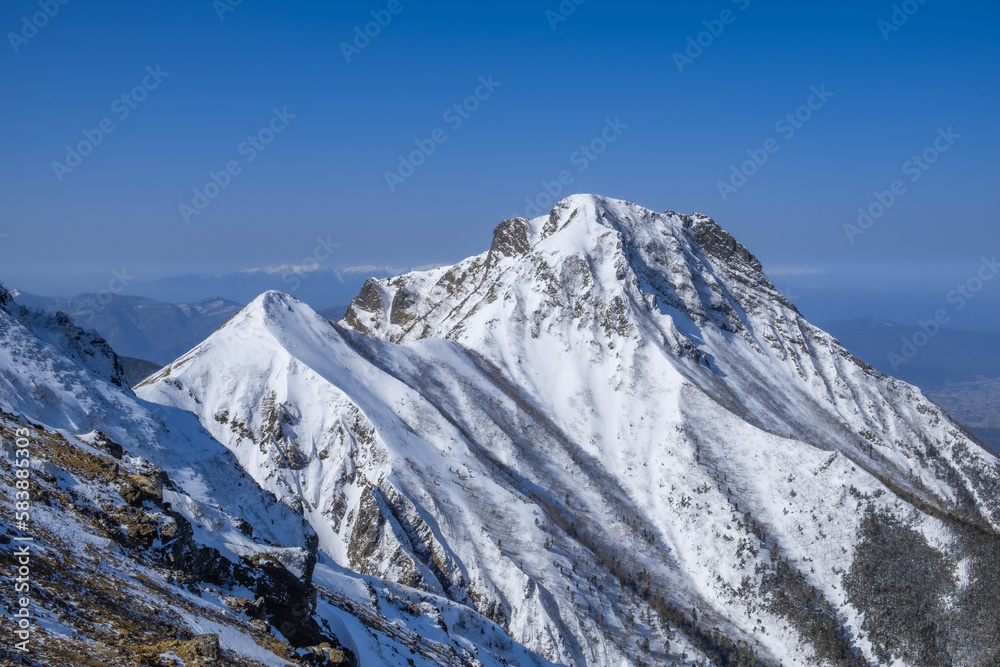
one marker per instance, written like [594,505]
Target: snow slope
[611,436]
[148,532]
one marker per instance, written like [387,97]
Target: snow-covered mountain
[148,543]
[611,437]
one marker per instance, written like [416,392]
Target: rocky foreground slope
[608,440]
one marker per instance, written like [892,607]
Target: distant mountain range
[319,287]
[334,313]
[139,327]
[136,370]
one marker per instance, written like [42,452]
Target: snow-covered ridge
[684,261]
[149,535]
[611,436]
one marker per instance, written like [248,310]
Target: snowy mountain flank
[611,437]
[148,544]
[606,441]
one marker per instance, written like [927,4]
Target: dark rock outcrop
[510,239]
[719,243]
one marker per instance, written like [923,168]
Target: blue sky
[888,94]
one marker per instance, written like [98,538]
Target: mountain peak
[275,309]
[609,259]
[717,242]
[273,299]
[630,219]
[274,316]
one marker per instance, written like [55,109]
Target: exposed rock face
[717,242]
[204,647]
[141,488]
[402,302]
[143,539]
[510,239]
[108,446]
[288,600]
[324,654]
[369,300]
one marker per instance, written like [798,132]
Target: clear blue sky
[324,174]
